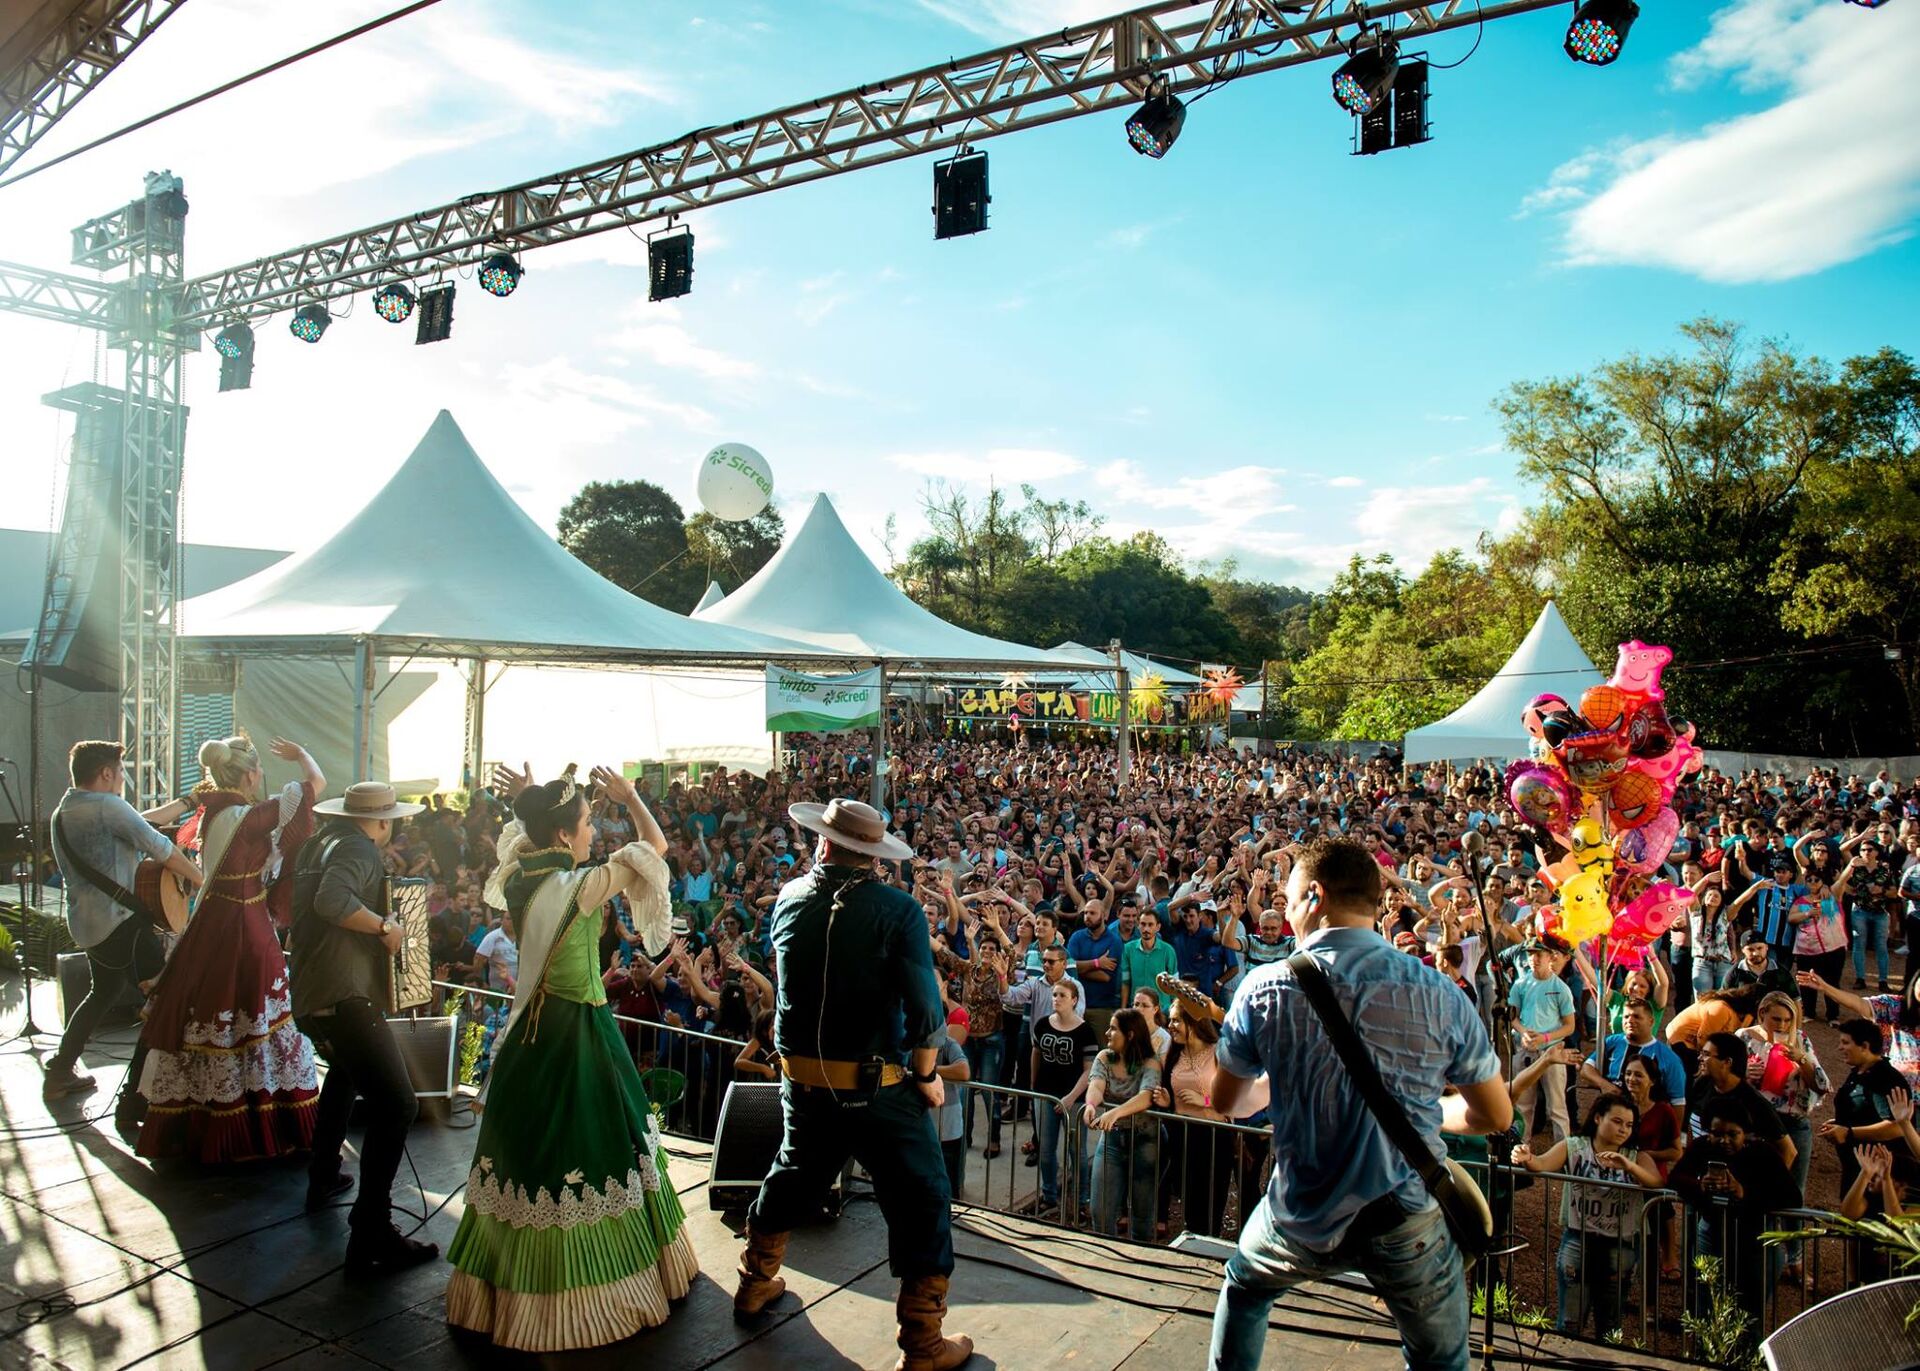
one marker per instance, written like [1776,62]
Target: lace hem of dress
[275,1063]
[510,1203]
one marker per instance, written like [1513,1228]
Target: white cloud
[1346,483]
[1019,18]
[654,333]
[1828,174]
[592,407]
[1004,466]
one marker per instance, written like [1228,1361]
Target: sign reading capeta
[798,703]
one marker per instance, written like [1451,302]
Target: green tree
[1138,591]
[731,551]
[1671,483]
[634,534]
[1849,566]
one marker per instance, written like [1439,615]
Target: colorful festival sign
[1099,708]
[799,703]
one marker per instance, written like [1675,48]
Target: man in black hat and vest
[341,953]
[856,1026]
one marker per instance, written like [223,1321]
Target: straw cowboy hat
[855,826]
[369,800]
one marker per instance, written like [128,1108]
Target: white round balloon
[735,482]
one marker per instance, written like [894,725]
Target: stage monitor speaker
[427,1045]
[1863,1330]
[745,1142]
[75,980]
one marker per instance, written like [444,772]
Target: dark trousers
[984,1057]
[954,1154]
[1831,967]
[127,956]
[363,1060]
[893,1137]
[1204,1166]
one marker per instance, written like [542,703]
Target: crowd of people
[1090,937]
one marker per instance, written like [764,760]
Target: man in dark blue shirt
[1197,951]
[857,1022]
[1772,899]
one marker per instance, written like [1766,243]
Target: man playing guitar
[99,841]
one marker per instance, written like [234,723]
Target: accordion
[410,970]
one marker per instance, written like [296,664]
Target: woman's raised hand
[286,751]
[508,782]
[613,785]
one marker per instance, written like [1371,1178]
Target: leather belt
[835,1075]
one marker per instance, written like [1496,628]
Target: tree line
[1755,508]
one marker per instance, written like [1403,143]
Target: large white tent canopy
[444,562]
[1547,660]
[821,589]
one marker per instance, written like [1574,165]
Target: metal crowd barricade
[686,1071]
[1170,1173]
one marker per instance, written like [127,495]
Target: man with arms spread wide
[1343,1198]
[857,1025]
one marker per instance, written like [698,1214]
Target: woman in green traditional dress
[572,1236]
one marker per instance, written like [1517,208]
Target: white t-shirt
[503,959]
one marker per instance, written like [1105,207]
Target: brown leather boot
[922,1306]
[760,1286]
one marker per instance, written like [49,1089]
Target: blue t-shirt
[1084,947]
[1541,1005]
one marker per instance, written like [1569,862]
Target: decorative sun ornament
[1221,684]
[1015,680]
[1151,689]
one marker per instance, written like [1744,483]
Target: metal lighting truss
[1081,70]
[155,315]
[65,63]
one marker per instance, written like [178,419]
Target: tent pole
[1124,767]
[476,724]
[878,796]
[362,710]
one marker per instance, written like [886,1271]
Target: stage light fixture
[960,195]
[670,265]
[1599,30]
[500,274]
[234,343]
[393,302]
[1153,127]
[1366,78]
[436,315]
[1867,4]
[309,322]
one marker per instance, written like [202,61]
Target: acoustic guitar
[164,896]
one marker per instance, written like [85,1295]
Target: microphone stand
[1499,1145]
[28,1029]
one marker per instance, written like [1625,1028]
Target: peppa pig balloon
[1638,669]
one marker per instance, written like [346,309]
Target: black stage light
[670,265]
[960,195]
[1410,104]
[393,302]
[1599,30]
[1156,124]
[234,343]
[309,322]
[500,274]
[436,315]
[1366,78]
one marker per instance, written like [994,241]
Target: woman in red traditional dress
[228,1077]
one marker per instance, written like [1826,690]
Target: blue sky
[1261,346]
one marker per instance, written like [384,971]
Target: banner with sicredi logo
[799,703]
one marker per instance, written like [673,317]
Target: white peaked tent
[1547,660]
[442,560]
[442,563]
[821,589]
[712,596]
